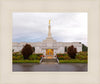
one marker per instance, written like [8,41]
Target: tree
[84,48]
[72,52]
[65,49]
[27,51]
[12,50]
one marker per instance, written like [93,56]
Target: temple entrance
[49,52]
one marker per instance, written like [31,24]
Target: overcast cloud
[65,27]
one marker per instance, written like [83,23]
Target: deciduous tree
[72,52]
[27,51]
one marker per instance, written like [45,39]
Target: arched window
[66,49]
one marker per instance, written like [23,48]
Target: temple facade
[49,46]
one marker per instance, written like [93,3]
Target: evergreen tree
[84,48]
[65,49]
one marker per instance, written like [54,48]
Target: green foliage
[84,48]
[34,57]
[18,57]
[73,61]
[60,54]
[67,58]
[63,57]
[17,54]
[79,56]
[38,58]
[72,52]
[82,53]
[82,56]
[12,50]
[39,54]
[65,49]
[27,51]
[26,61]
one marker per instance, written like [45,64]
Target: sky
[65,27]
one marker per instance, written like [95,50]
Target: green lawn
[73,61]
[26,61]
[60,61]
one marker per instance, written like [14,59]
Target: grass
[60,61]
[26,61]
[73,61]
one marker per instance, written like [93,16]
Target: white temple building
[49,46]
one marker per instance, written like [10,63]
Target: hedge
[26,61]
[73,61]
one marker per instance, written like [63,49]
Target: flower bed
[82,56]
[60,54]
[63,57]
[34,58]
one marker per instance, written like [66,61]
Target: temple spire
[49,31]
[49,22]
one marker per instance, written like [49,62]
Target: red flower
[42,56]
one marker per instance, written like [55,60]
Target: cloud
[65,27]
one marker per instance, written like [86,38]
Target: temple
[49,46]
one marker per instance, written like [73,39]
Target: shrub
[65,57]
[27,51]
[12,50]
[61,58]
[61,54]
[84,48]
[39,54]
[26,61]
[72,52]
[33,57]
[18,57]
[82,53]
[66,49]
[17,54]
[82,56]
[38,58]
[73,61]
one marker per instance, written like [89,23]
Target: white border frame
[7,7]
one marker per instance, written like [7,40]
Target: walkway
[50,67]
